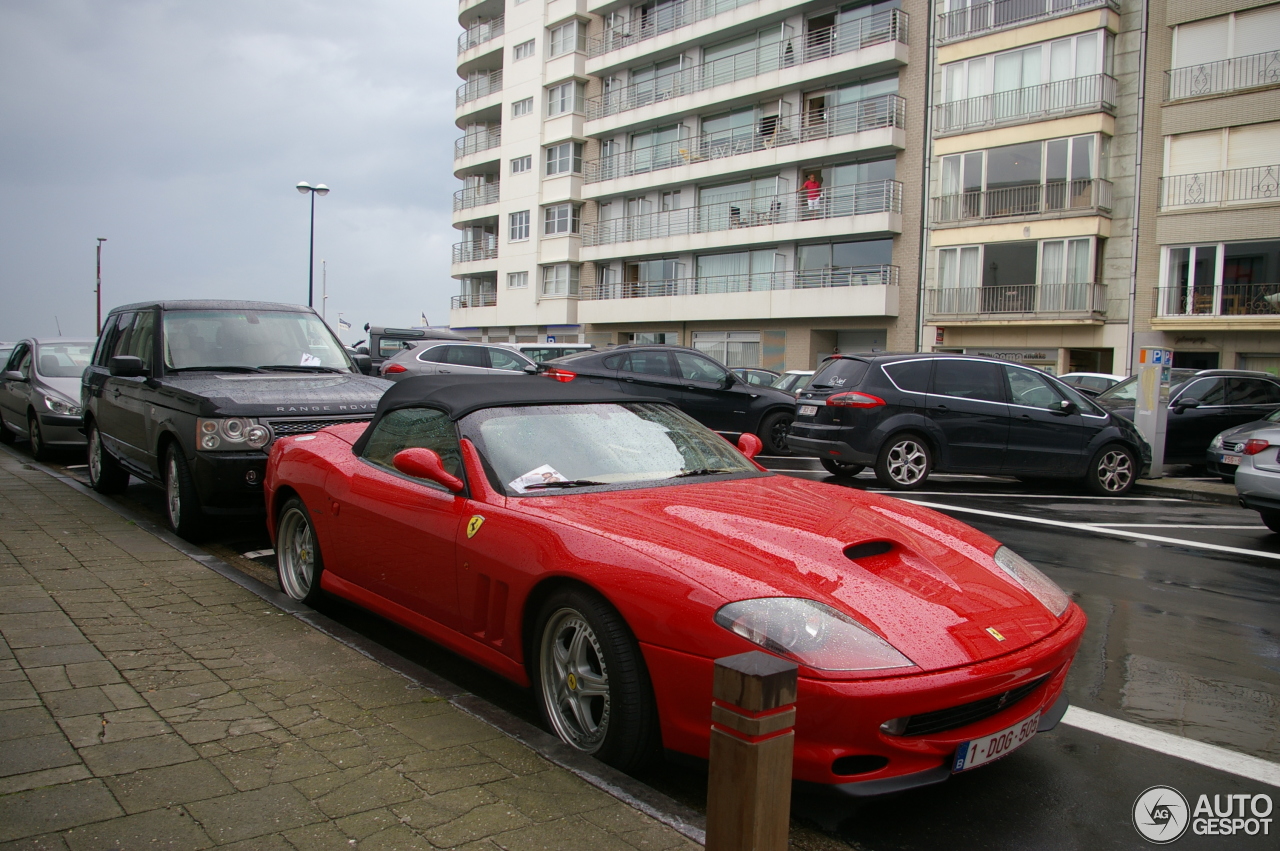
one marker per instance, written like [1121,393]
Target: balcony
[474,143]
[1018,303]
[1058,197]
[466,252]
[475,196]
[1093,93]
[1221,188]
[860,276]
[855,117]
[670,17]
[1226,302]
[477,34]
[982,18]
[875,29]
[481,299]
[1228,75]
[478,87]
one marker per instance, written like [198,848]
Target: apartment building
[733,175]
[1031,181]
[1209,256]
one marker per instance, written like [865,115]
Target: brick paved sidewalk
[148,702]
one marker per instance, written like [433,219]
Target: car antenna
[59,324]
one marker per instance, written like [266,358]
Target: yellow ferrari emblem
[573,682]
[474,524]
[995,633]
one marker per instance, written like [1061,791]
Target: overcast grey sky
[178,128]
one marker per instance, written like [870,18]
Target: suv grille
[968,713]
[285,428]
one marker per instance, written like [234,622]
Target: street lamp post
[98,289]
[318,189]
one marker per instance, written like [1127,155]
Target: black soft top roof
[459,395]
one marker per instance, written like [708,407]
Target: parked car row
[40,393]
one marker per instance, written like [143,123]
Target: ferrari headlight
[231,433]
[1029,577]
[811,633]
[58,405]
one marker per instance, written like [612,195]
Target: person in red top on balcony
[811,189]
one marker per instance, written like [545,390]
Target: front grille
[285,428]
[968,713]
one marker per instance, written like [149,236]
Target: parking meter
[1151,408]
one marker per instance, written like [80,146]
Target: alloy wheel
[173,492]
[575,680]
[95,456]
[907,462]
[1115,470]
[297,555]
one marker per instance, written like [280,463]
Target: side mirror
[13,375]
[1066,406]
[750,445]
[531,370]
[425,464]
[729,380]
[364,363]
[1182,404]
[127,366]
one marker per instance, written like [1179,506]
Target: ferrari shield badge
[995,633]
[474,524]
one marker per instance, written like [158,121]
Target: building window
[521,164]
[522,51]
[521,107]
[561,219]
[566,97]
[1221,279]
[731,348]
[519,226]
[565,158]
[1017,277]
[567,38]
[654,338]
[1225,53]
[1233,164]
[560,280]
[517,280]
[1023,179]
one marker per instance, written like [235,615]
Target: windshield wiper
[577,483]
[214,369]
[707,471]
[289,367]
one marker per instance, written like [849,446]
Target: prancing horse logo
[995,633]
[474,524]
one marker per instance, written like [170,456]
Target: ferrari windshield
[250,340]
[554,448]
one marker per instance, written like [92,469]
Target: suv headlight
[58,405]
[231,433]
[811,633]
[1029,577]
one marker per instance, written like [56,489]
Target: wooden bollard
[752,741]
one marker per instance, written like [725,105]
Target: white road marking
[1174,526]
[1201,753]
[1103,530]
[1031,495]
[258,553]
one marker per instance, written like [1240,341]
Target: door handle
[1025,417]
[115,391]
[446,372]
[629,380]
[941,408]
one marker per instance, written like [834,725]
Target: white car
[793,381]
[1258,476]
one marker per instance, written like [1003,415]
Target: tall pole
[324,288]
[98,289]
[311,256]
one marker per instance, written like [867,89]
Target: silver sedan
[40,393]
[446,357]
[1258,476]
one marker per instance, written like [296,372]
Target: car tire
[1113,471]
[39,449]
[773,432]
[181,502]
[298,560]
[1271,518]
[105,473]
[904,463]
[580,640]
[841,468]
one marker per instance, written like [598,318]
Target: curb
[684,820]
[1187,494]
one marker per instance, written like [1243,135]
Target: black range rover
[189,395]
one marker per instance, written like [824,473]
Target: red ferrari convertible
[605,549]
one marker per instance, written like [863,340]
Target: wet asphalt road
[1181,638]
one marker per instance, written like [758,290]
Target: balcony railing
[1093,93]
[475,196]
[1228,75]
[478,87]
[474,143]
[980,18]
[669,17]
[854,35]
[1226,300]
[880,196]
[772,132]
[481,32]
[487,299]
[1065,196]
[465,252]
[1221,188]
[856,276]
[1018,301]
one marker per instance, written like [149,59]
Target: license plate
[808,410]
[1231,459]
[977,752]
